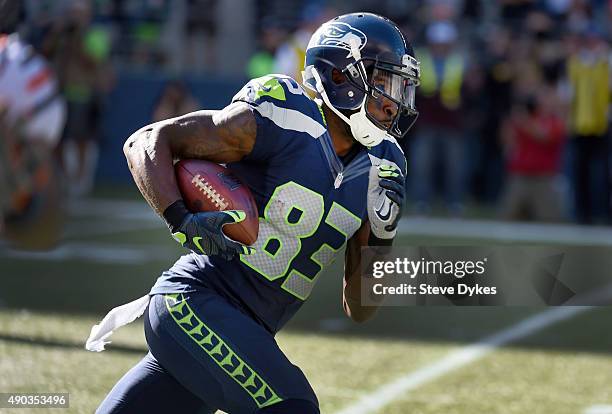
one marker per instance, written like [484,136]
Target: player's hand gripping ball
[223,217]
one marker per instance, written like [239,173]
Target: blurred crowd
[515,107]
[515,96]
[515,101]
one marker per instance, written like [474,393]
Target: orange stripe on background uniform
[38,80]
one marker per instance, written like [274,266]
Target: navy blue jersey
[310,202]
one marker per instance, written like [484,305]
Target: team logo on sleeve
[338,34]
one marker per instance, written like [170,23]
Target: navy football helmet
[359,57]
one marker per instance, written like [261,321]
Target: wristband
[376,241]
[174,214]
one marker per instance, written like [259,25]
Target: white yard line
[117,216]
[135,210]
[506,231]
[115,209]
[336,392]
[599,409]
[391,391]
[410,225]
[128,255]
[105,228]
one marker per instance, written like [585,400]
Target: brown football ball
[207,186]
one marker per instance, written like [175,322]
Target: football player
[32,116]
[324,172]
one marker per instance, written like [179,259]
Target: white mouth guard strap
[356,53]
[321,90]
[363,130]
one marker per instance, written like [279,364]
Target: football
[207,186]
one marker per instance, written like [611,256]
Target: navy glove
[203,232]
[386,196]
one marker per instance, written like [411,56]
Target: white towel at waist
[115,319]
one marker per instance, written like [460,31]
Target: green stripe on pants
[220,352]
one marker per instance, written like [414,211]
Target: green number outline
[280,246]
[244,259]
[336,205]
[313,257]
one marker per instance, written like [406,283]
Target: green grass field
[48,303]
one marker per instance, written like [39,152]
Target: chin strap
[364,131]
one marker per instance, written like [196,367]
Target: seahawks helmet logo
[339,35]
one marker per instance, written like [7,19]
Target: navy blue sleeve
[259,95]
[389,151]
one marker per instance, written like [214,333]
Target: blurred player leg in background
[32,121]
[35,217]
[79,148]
[33,214]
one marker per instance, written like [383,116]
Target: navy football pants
[205,355]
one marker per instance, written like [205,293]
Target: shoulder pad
[282,100]
[282,90]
